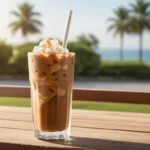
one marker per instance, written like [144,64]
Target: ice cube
[55,68]
[65,67]
[58,49]
[54,42]
[48,50]
[37,49]
[65,50]
[61,92]
[42,42]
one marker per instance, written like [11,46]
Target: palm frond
[36,22]
[147,5]
[140,20]
[140,7]
[33,29]
[115,12]
[148,14]
[147,24]
[36,14]
[27,21]
[11,24]
[15,13]
[132,6]
[25,6]
[115,33]
[120,21]
[15,25]
[25,9]
[111,27]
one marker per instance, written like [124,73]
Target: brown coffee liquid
[51,78]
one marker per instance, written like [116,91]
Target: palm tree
[26,20]
[140,20]
[119,23]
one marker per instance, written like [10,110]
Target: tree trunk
[121,46]
[141,46]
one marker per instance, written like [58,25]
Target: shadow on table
[102,144]
[78,143]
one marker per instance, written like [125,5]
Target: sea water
[114,54]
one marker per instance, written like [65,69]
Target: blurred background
[110,39]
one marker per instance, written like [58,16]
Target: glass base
[52,135]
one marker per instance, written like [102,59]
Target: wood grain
[86,95]
[81,138]
[115,131]
[78,112]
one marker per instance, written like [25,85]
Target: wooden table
[90,130]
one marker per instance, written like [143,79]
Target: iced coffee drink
[51,72]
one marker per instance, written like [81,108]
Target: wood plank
[95,119]
[16,116]
[111,113]
[15,109]
[87,133]
[15,91]
[86,95]
[82,115]
[82,139]
[78,112]
[112,125]
[114,118]
[107,125]
[112,96]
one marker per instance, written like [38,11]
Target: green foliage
[5,54]
[141,17]
[26,20]
[19,61]
[140,21]
[119,23]
[89,40]
[86,61]
[133,21]
[129,69]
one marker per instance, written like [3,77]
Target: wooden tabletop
[97,130]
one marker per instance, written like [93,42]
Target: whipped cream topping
[50,45]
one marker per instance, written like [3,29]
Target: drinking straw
[67,29]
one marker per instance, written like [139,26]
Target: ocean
[113,54]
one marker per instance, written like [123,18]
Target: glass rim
[57,53]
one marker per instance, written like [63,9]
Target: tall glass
[51,77]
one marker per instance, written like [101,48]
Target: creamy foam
[50,45]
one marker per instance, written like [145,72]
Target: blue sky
[89,17]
